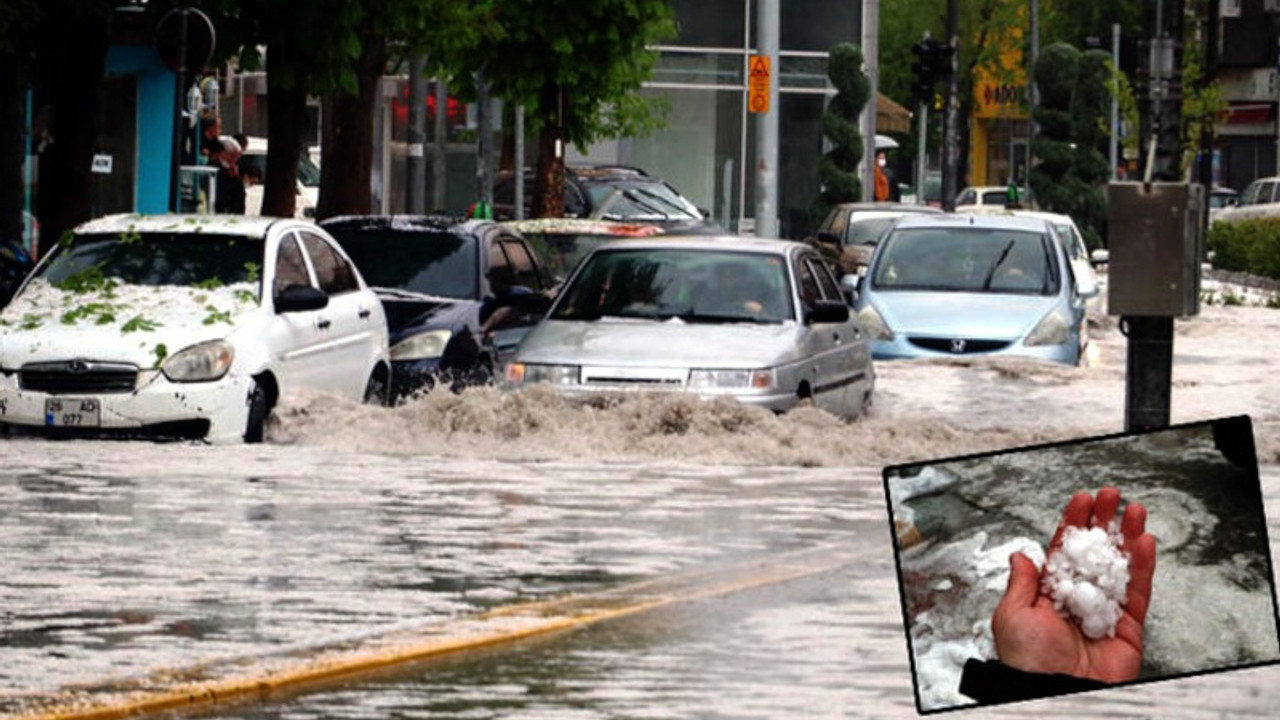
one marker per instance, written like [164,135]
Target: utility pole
[767,34]
[951,121]
[440,151]
[871,61]
[415,163]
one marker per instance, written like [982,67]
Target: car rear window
[434,263]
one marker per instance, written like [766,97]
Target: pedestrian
[886,189]
[230,186]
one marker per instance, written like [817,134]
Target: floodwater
[122,560]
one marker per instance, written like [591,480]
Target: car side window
[291,267]
[332,270]
[965,198]
[836,223]
[499,272]
[810,292]
[826,281]
[523,269]
[574,204]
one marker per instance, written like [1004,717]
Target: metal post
[921,152]
[415,162]
[518,171]
[767,34]
[179,100]
[1115,105]
[871,60]
[439,156]
[484,171]
[950,127]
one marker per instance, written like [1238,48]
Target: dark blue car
[448,286]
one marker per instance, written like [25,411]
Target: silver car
[764,321]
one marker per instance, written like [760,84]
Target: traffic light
[933,63]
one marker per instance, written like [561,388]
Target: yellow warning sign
[758,84]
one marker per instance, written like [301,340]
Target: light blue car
[963,285]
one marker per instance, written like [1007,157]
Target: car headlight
[519,373]
[200,363]
[873,324]
[732,379]
[1053,329]
[423,346]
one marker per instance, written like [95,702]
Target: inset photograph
[1080,566]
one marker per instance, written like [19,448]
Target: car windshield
[156,258]
[435,263]
[966,260]
[639,201]
[708,286]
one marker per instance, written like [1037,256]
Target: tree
[838,168]
[575,67]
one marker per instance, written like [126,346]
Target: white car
[187,325]
[1072,241]
[308,180]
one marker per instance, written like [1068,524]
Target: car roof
[252,226]
[992,221]
[1044,214]
[897,208]
[406,222]
[707,242]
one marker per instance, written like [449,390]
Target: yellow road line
[202,686]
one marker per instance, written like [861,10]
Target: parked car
[190,326]
[562,242]
[1082,263]
[1221,198]
[986,195]
[1260,198]
[255,154]
[760,320]
[611,192]
[442,281]
[849,233]
[963,285]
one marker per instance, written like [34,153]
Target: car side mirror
[827,311]
[851,285]
[299,298]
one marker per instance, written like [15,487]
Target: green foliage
[89,280]
[573,66]
[138,323]
[838,168]
[161,352]
[1250,246]
[1071,170]
[217,316]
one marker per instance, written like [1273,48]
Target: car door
[511,255]
[838,353]
[295,338]
[349,326]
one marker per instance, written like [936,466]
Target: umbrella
[884,142]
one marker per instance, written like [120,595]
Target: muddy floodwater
[122,561]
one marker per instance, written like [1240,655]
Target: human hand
[1031,636]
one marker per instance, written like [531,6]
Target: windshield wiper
[991,274]
[635,198]
[665,201]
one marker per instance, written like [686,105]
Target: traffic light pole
[922,152]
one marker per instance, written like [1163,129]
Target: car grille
[959,346]
[74,377]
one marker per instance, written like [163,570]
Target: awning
[891,117]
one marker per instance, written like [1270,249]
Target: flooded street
[735,564]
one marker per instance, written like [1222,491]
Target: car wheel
[377,391]
[258,408]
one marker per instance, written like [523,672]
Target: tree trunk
[12,105]
[548,184]
[346,138]
[72,58]
[287,113]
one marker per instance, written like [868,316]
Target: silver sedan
[764,321]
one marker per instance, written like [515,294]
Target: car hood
[972,315]
[132,324]
[409,314]
[648,343]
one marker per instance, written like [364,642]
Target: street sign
[758,84]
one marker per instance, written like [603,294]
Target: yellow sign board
[758,74]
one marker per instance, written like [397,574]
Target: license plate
[72,412]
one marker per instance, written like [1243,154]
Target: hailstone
[1088,577]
